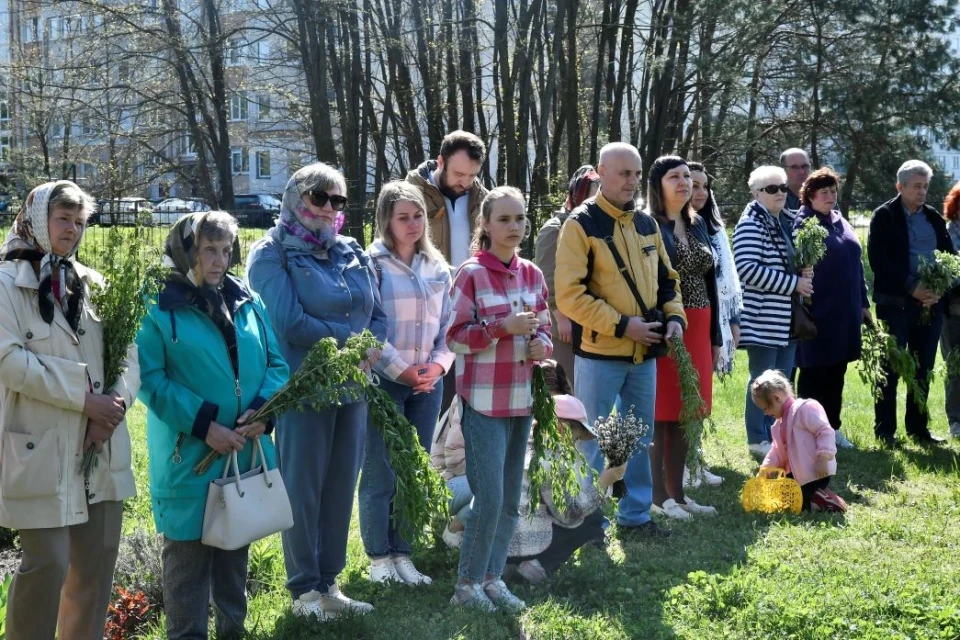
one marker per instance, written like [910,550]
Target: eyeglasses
[321,198]
[772,188]
[797,167]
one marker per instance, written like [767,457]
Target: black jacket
[701,232]
[888,250]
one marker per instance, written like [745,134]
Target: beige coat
[45,373]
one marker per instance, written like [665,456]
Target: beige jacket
[446,452]
[437,216]
[45,373]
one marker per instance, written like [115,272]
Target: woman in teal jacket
[209,359]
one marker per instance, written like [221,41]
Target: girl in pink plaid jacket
[500,327]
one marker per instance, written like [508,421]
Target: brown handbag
[802,326]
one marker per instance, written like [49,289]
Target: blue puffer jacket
[187,381]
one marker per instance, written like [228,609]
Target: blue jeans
[462,497]
[599,382]
[495,449]
[759,360]
[380,532]
[320,456]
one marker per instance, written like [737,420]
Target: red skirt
[697,339]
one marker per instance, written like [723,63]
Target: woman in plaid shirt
[414,284]
[501,326]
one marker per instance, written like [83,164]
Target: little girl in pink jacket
[803,445]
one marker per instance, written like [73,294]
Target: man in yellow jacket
[609,253]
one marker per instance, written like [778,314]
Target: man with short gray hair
[796,163]
[904,232]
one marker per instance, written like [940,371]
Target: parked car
[256,209]
[122,211]
[170,210]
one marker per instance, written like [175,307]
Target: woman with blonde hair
[413,280]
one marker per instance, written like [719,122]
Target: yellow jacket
[604,304]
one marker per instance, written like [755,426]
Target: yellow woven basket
[771,492]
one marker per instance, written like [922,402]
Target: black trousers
[807,490]
[565,542]
[921,338]
[825,385]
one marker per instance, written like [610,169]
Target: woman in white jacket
[55,405]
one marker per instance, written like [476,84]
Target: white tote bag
[246,507]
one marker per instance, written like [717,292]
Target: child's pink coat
[798,436]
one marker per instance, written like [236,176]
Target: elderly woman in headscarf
[54,405]
[316,284]
[584,184]
[209,359]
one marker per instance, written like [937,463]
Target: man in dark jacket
[904,232]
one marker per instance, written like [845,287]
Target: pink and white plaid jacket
[493,367]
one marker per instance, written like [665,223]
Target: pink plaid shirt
[493,367]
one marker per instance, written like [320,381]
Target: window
[4,111]
[259,51]
[956,162]
[54,28]
[30,30]
[265,106]
[187,147]
[238,106]
[4,148]
[263,164]
[241,160]
[86,126]
[234,51]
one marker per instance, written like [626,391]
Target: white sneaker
[699,509]
[308,605]
[711,479]
[691,481]
[452,539]
[759,449]
[333,603]
[841,441]
[533,571]
[404,569]
[382,570]
[671,509]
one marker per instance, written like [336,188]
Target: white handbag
[246,507]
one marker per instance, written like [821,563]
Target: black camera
[660,348]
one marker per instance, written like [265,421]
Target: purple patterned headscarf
[293,209]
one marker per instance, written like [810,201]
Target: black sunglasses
[772,188]
[321,198]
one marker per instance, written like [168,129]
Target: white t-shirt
[459,227]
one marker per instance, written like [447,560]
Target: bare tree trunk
[626,53]
[540,186]
[571,97]
[468,45]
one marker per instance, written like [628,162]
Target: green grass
[889,569]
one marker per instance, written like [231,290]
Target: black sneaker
[928,440]
[648,529]
[888,442]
